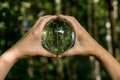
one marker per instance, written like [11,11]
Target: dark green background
[17,16]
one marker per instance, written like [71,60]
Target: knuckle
[34,32]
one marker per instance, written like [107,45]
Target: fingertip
[59,56]
[61,16]
[54,16]
[54,55]
[62,55]
[48,54]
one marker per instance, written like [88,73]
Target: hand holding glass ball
[58,36]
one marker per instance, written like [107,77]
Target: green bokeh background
[18,16]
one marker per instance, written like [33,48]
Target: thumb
[69,52]
[46,53]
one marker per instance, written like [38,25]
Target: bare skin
[86,45]
[30,45]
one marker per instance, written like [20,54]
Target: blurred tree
[112,6]
[16,17]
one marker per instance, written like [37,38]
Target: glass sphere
[57,36]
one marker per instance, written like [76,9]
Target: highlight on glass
[58,36]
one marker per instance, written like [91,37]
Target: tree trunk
[93,30]
[58,6]
[113,15]
[58,61]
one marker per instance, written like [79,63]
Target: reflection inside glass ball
[57,36]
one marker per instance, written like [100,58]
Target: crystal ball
[57,36]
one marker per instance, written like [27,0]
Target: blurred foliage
[16,17]
[57,36]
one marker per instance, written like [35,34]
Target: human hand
[30,44]
[84,43]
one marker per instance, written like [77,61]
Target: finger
[70,20]
[76,25]
[70,52]
[41,24]
[46,53]
[39,20]
[66,18]
[44,21]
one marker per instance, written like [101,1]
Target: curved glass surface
[57,36]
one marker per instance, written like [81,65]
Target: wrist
[7,60]
[98,51]
[11,55]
